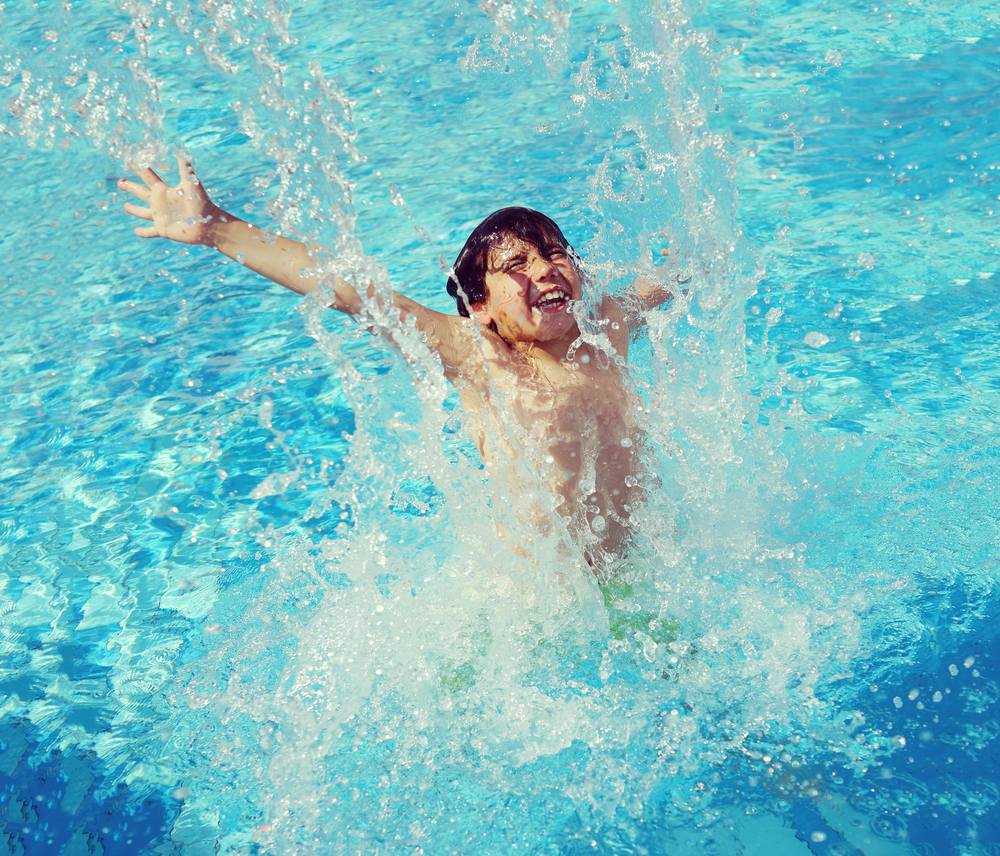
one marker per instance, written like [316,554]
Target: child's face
[530,291]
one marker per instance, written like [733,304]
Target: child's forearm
[281,260]
[185,213]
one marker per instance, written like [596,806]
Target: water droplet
[816,340]
[597,524]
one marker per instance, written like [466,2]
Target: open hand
[183,213]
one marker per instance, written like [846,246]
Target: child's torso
[572,424]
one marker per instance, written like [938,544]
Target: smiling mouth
[552,301]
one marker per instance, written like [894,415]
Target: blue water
[249,597]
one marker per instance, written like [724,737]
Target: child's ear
[481,314]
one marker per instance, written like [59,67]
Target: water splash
[354,661]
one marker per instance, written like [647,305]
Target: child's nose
[541,268]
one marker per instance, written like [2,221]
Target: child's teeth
[557,297]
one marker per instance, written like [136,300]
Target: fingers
[147,231]
[186,170]
[137,211]
[136,190]
[151,179]
[146,174]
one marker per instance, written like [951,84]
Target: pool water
[250,598]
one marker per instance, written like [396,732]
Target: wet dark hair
[467,283]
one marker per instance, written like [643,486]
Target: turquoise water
[250,600]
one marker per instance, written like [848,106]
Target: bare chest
[567,416]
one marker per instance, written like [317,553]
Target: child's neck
[553,351]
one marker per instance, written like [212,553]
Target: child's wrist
[216,219]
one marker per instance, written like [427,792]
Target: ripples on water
[245,565]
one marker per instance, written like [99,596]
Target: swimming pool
[248,601]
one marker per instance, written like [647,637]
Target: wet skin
[541,403]
[565,408]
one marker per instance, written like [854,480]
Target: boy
[538,391]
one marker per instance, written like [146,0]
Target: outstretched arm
[186,214]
